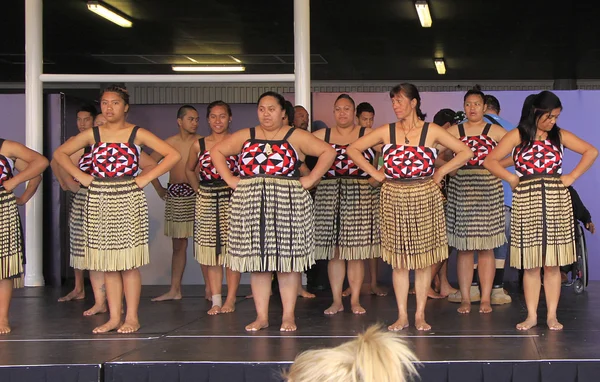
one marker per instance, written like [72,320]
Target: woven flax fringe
[115,225]
[347,217]
[77,239]
[179,216]
[211,224]
[413,226]
[475,211]
[542,225]
[11,240]
[273,228]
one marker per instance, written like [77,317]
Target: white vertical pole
[302,53]
[34,136]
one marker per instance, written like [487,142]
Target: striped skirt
[413,225]
[211,224]
[272,228]
[179,211]
[11,237]
[475,212]
[115,225]
[347,218]
[77,238]
[541,226]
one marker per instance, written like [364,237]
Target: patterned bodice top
[114,159]
[482,144]
[539,158]
[205,168]
[343,165]
[7,166]
[85,161]
[408,162]
[269,157]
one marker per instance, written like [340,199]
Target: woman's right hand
[233,182]
[514,182]
[86,180]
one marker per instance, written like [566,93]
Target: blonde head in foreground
[375,356]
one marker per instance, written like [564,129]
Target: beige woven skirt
[76,236]
[11,238]
[211,224]
[179,211]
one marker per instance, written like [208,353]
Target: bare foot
[95,310]
[228,307]
[420,324]
[4,327]
[170,295]
[334,309]
[305,294]
[485,307]
[288,325]
[465,307]
[377,291]
[358,309]
[257,325]
[110,325]
[214,310]
[401,324]
[447,290]
[433,294]
[73,295]
[129,327]
[346,293]
[553,324]
[529,323]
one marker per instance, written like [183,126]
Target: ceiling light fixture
[201,68]
[423,12]
[235,59]
[103,10]
[440,65]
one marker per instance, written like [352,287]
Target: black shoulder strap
[289,133]
[252,133]
[362,131]
[327,134]
[202,145]
[393,133]
[1,143]
[96,131]
[424,134]
[461,130]
[486,129]
[492,120]
[132,136]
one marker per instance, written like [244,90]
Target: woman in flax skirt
[346,209]
[115,226]
[475,212]
[30,165]
[541,226]
[413,226]
[273,229]
[211,223]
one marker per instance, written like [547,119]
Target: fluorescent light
[101,10]
[202,68]
[423,12]
[440,65]
[235,59]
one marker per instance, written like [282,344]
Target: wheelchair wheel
[578,286]
[582,262]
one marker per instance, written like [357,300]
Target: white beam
[171,78]
[302,54]
[34,130]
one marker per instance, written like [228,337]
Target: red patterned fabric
[208,172]
[481,145]
[406,162]
[541,158]
[113,160]
[179,190]
[85,162]
[344,166]
[255,160]
[6,169]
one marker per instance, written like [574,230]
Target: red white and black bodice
[408,162]
[482,145]
[206,169]
[538,158]
[269,157]
[85,161]
[7,166]
[115,159]
[343,165]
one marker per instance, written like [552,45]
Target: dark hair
[538,106]
[411,92]
[364,107]
[89,109]
[345,96]
[444,116]
[277,96]
[527,104]
[218,103]
[492,103]
[121,90]
[183,111]
[290,112]
[476,90]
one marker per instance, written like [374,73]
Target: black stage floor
[178,341]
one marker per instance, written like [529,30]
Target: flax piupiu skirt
[211,225]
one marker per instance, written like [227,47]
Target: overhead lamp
[203,68]
[440,65]
[423,12]
[103,10]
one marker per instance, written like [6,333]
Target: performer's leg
[97,280]
[114,297]
[215,282]
[486,268]
[375,289]
[233,282]
[132,286]
[465,278]
[177,268]
[6,288]
[261,292]
[336,270]
[445,287]
[356,276]
[78,292]
[288,284]
[401,283]
[552,286]
[531,286]
[422,284]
